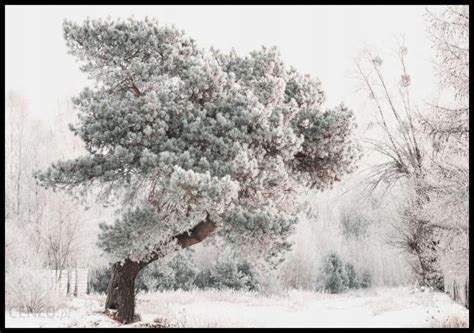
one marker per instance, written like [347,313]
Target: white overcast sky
[320,40]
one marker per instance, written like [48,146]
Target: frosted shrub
[181,273]
[26,289]
[365,280]
[356,280]
[228,274]
[250,275]
[178,273]
[335,276]
[155,278]
[99,279]
[29,290]
[332,277]
[184,274]
[352,277]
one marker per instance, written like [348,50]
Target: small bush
[155,277]
[335,276]
[365,280]
[184,274]
[179,273]
[228,274]
[99,279]
[249,275]
[353,280]
[332,276]
[30,290]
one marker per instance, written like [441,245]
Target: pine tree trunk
[121,290]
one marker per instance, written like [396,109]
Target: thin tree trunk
[18,182]
[68,283]
[76,281]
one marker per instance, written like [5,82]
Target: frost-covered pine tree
[194,143]
[447,124]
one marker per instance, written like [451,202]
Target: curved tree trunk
[121,289]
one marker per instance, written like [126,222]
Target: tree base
[121,291]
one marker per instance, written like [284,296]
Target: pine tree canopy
[185,135]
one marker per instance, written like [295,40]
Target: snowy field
[387,307]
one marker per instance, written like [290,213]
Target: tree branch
[188,238]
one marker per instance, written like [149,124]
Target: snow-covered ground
[387,307]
